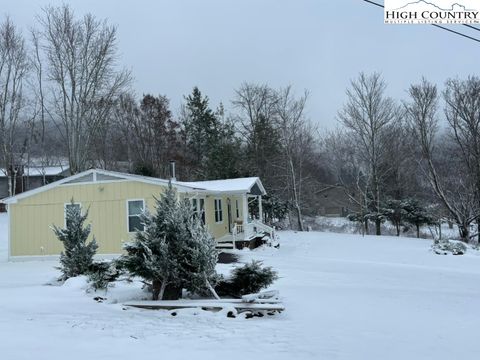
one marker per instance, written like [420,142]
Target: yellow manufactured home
[115,202]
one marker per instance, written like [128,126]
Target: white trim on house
[128,214]
[99,182]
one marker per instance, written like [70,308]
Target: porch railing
[259,227]
[251,229]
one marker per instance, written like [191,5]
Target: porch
[232,210]
[252,235]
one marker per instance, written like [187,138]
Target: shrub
[101,273]
[175,251]
[78,254]
[443,247]
[247,279]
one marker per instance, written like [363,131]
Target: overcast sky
[319,45]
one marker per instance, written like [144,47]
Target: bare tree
[84,82]
[256,116]
[457,193]
[126,113]
[342,151]
[13,70]
[296,144]
[368,114]
[462,110]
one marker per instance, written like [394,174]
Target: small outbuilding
[115,202]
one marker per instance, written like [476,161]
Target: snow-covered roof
[48,170]
[39,171]
[228,185]
[239,185]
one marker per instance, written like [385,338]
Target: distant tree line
[64,95]
[405,162]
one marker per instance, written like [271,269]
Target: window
[135,209]
[218,211]
[237,209]
[202,210]
[198,205]
[71,207]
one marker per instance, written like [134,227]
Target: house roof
[228,185]
[39,171]
[244,185]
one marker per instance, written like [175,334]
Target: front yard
[347,297]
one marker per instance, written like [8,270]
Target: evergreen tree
[224,150]
[78,254]
[395,212]
[175,251]
[274,209]
[212,147]
[199,123]
[200,257]
[417,215]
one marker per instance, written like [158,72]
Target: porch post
[260,208]
[245,215]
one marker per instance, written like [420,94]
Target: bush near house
[174,252]
[77,256]
[247,279]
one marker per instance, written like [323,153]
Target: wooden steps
[217,305]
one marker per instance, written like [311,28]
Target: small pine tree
[200,259]
[247,279]
[394,211]
[417,215]
[78,254]
[175,251]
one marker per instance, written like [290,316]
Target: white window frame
[220,210]
[128,215]
[65,212]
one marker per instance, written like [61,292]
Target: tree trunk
[212,290]
[378,230]
[299,219]
[171,292]
[397,226]
[418,231]
[464,233]
[156,286]
[161,294]
[366,227]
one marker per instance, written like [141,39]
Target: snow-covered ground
[343,225]
[347,297]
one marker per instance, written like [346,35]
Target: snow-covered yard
[347,297]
